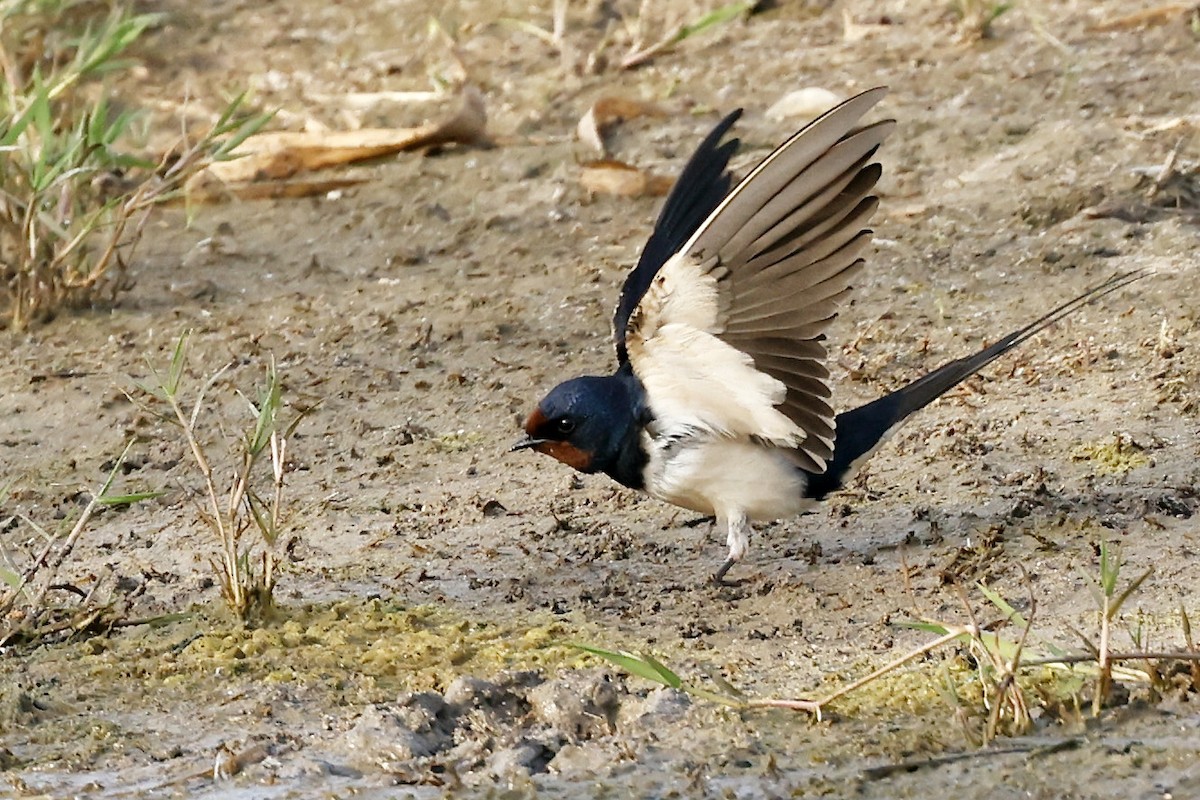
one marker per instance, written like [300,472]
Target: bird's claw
[718,577]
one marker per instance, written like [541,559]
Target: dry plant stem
[68,545]
[1006,691]
[638,54]
[1010,695]
[558,32]
[811,706]
[1167,170]
[996,692]
[1114,658]
[895,664]
[45,561]
[639,57]
[227,536]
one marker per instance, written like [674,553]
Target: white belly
[726,478]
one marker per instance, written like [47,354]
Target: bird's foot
[718,577]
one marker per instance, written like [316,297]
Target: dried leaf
[269,159]
[616,177]
[1149,16]
[608,111]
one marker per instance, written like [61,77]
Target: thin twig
[1162,655]
[894,664]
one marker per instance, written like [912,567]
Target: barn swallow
[721,401]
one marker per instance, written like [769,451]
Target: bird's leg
[738,541]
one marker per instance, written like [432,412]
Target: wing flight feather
[727,332]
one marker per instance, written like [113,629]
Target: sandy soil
[432,579]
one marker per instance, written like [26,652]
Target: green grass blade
[267,410]
[715,17]
[261,520]
[18,125]
[1010,613]
[668,676]
[1110,569]
[641,666]
[239,132]
[112,475]
[178,361]
[11,578]
[928,627]
[127,499]
[1115,607]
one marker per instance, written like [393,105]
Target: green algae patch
[1116,456]
[362,650]
[83,700]
[952,687]
[373,644]
[458,441]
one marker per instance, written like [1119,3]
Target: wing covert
[700,188]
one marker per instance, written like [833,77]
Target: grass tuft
[1005,673]
[242,503]
[73,200]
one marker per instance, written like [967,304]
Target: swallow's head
[583,423]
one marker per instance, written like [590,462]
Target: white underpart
[714,443]
[735,480]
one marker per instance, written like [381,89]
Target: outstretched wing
[727,334]
[700,188]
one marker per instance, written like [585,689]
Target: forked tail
[862,430]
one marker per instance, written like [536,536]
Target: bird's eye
[564,425]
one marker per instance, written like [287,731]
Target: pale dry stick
[1039,27]
[44,559]
[139,204]
[1104,678]
[639,55]
[278,463]
[558,32]
[240,493]
[815,706]
[1007,688]
[237,495]
[651,669]
[228,543]
[1093,655]
[1149,16]
[1115,658]
[1110,606]
[1168,167]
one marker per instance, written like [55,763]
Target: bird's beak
[526,443]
